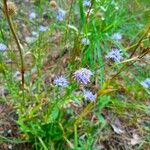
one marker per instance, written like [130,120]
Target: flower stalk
[10,22]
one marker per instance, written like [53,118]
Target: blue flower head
[42,28]
[146,83]
[87,3]
[60,14]
[83,75]
[32,15]
[61,81]
[85,41]
[89,96]
[3,47]
[117,36]
[114,55]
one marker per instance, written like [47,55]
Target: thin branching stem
[139,42]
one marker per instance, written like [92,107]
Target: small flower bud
[29,60]
[99,15]
[53,4]
[11,9]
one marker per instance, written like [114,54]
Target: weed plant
[80,64]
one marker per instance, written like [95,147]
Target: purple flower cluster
[42,28]
[60,14]
[89,96]
[146,83]
[87,3]
[114,55]
[3,47]
[32,15]
[61,81]
[83,75]
[85,41]
[117,36]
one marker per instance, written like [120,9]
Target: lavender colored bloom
[87,3]
[116,36]
[60,14]
[85,41]
[3,47]
[61,81]
[32,15]
[89,96]
[42,28]
[83,75]
[114,55]
[146,83]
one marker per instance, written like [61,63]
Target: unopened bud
[53,4]
[11,8]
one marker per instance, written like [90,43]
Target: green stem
[42,143]
[67,30]
[16,40]
[139,42]
[75,136]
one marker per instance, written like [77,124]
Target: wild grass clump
[76,70]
